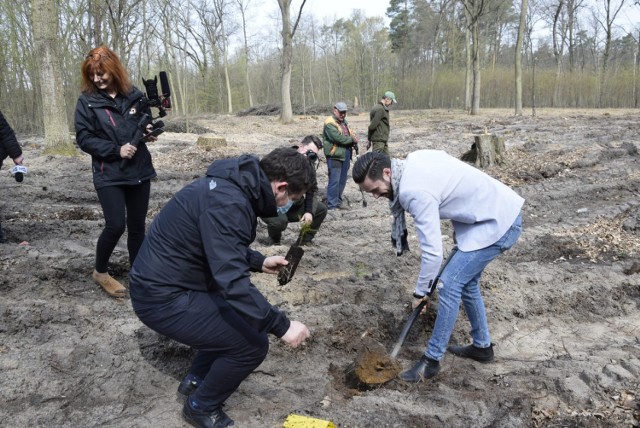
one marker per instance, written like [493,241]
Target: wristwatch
[417,296]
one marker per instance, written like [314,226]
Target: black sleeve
[226,235]
[8,139]
[87,135]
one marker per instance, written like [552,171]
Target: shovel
[414,315]
[373,365]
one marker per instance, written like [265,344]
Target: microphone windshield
[164,84]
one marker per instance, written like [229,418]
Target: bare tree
[475,9]
[518,56]
[288,31]
[243,5]
[606,19]
[44,15]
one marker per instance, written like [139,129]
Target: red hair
[104,60]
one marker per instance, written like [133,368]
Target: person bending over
[486,217]
[192,282]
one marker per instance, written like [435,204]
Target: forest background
[224,56]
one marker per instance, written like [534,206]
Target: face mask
[285,208]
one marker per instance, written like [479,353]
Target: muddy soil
[563,304]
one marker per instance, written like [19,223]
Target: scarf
[399,223]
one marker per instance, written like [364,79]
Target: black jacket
[8,143]
[200,241]
[103,125]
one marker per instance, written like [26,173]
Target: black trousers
[229,349]
[122,206]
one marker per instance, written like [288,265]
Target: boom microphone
[166,90]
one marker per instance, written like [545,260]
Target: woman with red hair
[108,117]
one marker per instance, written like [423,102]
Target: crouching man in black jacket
[191,279]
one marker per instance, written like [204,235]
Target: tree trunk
[286,113]
[475,96]
[518,58]
[45,33]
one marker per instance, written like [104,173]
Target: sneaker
[483,355]
[198,418]
[424,369]
[188,385]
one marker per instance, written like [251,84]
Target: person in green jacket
[378,134]
[338,142]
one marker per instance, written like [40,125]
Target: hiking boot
[198,418]
[189,385]
[424,369]
[483,355]
[271,241]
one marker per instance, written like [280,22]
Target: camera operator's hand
[127,151]
[150,138]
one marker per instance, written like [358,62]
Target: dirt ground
[563,304]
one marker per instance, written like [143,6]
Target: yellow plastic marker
[298,421]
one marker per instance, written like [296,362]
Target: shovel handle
[414,315]
[407,327]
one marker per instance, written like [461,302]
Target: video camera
[153,99]
[18,172]
[161,101]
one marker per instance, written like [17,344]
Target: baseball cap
[340,106]
[391,96]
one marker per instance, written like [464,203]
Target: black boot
[198,418]
[483,355]
[424,369]
[188,386]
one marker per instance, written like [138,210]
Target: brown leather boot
[110,285]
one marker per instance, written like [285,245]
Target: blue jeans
[338,171]
[461,282]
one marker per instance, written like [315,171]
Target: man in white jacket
[486,217]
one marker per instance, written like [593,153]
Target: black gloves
[403,241]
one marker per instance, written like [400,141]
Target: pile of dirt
[563,304]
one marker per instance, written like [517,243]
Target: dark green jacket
[379,125]
[335,143]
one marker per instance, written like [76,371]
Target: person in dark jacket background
[107,120]
[379,126]
[192,282]
[9,147]
[308,210]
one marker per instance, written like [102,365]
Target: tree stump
[487,150]
[210,141]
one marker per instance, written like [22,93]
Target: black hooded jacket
[200,241]
[9,145]
[103,125]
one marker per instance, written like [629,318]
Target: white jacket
[435,186]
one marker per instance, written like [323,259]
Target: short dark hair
[370,165]
[311,139]
[286,164]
